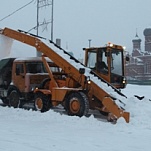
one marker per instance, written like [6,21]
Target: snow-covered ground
[27,130]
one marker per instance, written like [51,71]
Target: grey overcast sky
[76,21]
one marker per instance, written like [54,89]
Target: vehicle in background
[20,76]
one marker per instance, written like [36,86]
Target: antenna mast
[42,4]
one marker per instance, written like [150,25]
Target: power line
[16,10]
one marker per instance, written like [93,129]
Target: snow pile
[5,46]
[140,110]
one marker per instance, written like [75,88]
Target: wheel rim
[39,104]
[74,105]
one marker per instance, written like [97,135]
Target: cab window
[19,69]
[102,65]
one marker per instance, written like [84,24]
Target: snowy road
[23,130]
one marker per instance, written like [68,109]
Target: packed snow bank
[140,110]
[5,46]
[30,130]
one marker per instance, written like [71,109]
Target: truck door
[102,61]
[19,77]
[117,68]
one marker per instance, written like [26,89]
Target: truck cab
[20,76]
[28,73]
[108,63]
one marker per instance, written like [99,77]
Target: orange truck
[19,77]
[76,86]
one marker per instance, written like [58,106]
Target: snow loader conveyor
[95,91]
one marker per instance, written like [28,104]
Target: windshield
[36,67]
[97,60]
[116,62]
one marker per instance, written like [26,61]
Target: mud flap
[112,107]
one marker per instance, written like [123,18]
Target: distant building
[147,34]
[138,69]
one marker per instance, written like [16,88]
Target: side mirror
[81,70]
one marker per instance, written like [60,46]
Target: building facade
[138,69]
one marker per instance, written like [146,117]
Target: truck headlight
[124,80]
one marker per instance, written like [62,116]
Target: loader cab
[108,63]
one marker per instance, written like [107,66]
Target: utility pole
[38,53]
[41,4]
[52,21]
[37,16]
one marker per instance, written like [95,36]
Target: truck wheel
[42,102]
[14,99]
[77,104]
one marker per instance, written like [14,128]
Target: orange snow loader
[74,86]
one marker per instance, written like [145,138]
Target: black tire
[14,98]
[42,102]
[77,104]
